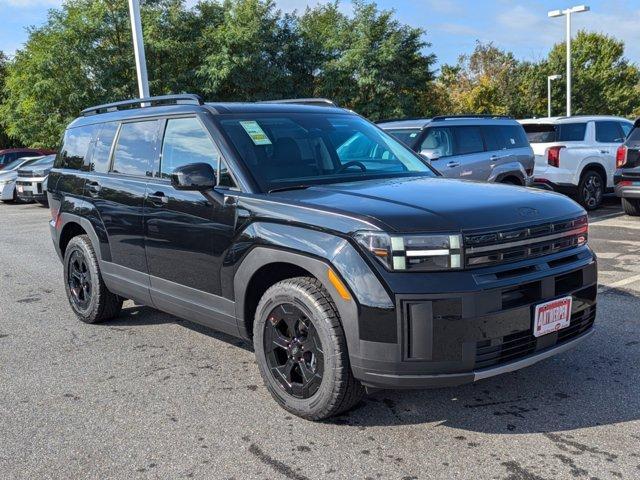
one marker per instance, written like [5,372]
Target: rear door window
[75,147]
[467,140]
[609,132]
[135,151]
[186,141]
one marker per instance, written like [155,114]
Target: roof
[220,108]
[571,119]
[413,123]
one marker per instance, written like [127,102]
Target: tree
[5,141]
[370,63]
[603,80]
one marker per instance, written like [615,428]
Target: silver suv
[475,147]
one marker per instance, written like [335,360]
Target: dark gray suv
[486,148]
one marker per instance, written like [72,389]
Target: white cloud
[30,3]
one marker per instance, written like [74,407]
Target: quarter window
[102,149]
[224,176]
[75,147]
[571,132]
[608,132]
[186,141]
[626,128]
[135,151]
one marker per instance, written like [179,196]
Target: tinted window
[75,146]
[7,158]
[626,128]
[467,140]
[408,136]
[634,135]
[547,132]
[438,143]
[135,151]
[571,132]
[608,132]
[186,141]
[310,148]
[101,151]
[503,137]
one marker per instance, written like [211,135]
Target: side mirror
[430,155]
[194,176]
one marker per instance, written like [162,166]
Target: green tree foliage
[603,80]
[5,141]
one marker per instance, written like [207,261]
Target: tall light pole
[550,78]
[138,48]
[567,13]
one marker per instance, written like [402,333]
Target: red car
[8,155]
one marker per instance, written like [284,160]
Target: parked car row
[346,259]
[24,179]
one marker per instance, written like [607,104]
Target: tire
[631,206]
[316,324]
[591,189]
[92,304]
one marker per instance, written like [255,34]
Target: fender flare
[511,169]
[67,218]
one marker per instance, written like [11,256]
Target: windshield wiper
[290,187]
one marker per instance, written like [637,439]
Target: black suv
[627,176]
[308,230]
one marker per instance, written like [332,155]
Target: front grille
[492,248]
[521,344]
[26,173]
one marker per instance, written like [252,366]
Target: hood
[437,204]
[8,175]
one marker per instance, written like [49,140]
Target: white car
[8,176]
[577,155]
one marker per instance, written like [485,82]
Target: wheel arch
[72,225]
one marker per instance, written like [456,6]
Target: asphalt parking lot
[152,396]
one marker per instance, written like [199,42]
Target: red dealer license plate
[552,316]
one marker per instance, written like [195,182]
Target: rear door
[118,195]
[470,154]
[188,233]
[508,144]
[609,136]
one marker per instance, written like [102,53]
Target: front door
[187,233]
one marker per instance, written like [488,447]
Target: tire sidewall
[80,244]
[316,404]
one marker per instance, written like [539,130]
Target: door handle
[158,199]
[93,188]
[604,152]
[453,164]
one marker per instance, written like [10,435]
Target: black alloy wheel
[591,190]
[79,280]
[293,351]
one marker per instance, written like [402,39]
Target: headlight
[413,252]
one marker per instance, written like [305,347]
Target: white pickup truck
[577,155]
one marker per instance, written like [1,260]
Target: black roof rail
[471,115]
[181,99]
[320,102]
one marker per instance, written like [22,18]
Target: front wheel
[86,291]
[301,350]
[591,189]
[631,206]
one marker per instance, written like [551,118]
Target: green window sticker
[255,132]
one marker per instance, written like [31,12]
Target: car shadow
[141,315]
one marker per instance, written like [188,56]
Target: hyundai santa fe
[347,261]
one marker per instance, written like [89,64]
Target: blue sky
[452,26]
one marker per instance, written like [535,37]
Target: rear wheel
[591,189]
[631,206]
[301,350]
[86,291]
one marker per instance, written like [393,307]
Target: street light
[567,13]
[550,78]
[138,48]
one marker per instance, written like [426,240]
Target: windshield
[408,136]
[310,148]
[49,159]
[547,132]
[16,163]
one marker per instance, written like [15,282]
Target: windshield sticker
[255,132]
[413,135]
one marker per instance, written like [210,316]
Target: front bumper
[31,189]
[480,326]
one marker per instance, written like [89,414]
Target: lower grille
[523,343]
